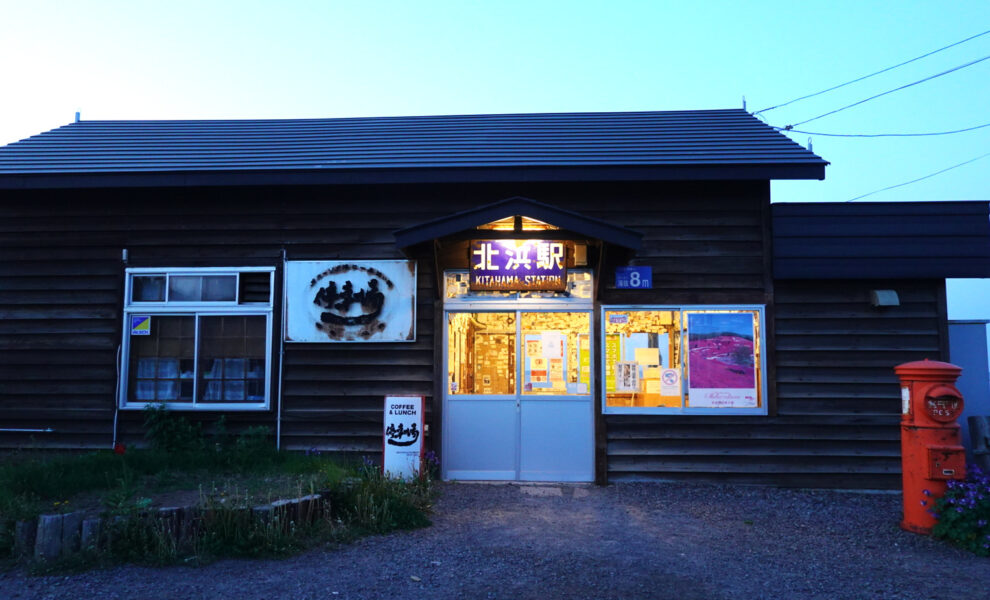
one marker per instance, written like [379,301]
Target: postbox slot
[946,462]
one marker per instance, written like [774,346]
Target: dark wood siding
[61,286]
[838,400]
[61,291]
[833,400]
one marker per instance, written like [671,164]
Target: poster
[538,370]
[553,344]
[626,377]
[403,436]
[670,382]
[611,357]
[721,360]
[584,361]
[557,372]
[350,301]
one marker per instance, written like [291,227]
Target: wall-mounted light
[884,298]
[580,255]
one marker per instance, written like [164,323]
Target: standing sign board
[403,436]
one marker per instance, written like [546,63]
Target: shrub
[963,513]
[170,432]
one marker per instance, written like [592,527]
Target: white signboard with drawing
[403,436]
[350,301]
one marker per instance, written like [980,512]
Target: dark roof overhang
[565,219]
[881,240]
[343,176]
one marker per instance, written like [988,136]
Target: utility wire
[872,74]
[921,178]
[875,135]
[913,83]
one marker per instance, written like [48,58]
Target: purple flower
[926,492]
[924,502]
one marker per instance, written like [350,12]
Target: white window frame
[196,310]
[683,309]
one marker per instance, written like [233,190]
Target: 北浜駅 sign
[518,265]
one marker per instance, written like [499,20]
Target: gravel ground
[643,540]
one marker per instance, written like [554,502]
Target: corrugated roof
[669,144]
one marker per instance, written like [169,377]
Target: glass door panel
[481,353]
[539,429]
[556,353]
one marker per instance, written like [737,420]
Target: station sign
[518,265]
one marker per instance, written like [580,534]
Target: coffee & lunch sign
[518,265]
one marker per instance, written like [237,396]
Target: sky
[293,59]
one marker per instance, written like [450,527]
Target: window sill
[190,407]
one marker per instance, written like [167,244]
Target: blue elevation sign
[633,277]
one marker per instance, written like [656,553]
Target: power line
[872,74]
[921,178]
[913,83]
[875,135]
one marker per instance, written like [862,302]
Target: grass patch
[225,476]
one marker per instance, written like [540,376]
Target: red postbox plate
[943,404]
[946,462]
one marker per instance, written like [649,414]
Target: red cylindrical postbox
[931,447]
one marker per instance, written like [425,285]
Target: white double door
[518,401]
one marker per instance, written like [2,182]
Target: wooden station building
[577,297]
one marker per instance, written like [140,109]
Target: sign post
[402,440]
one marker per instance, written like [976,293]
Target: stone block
[71,528]
[190,522]
[263,513]
[48,543]
[25,533]
[169,517]
[89,534]
[309,508]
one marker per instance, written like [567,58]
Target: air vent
[255,288]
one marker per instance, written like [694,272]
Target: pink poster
[721,360]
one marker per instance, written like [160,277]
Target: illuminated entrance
[517,375]
[518,403]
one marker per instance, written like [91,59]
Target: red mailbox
[931,447]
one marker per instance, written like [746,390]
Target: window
[684,360]
[197,338]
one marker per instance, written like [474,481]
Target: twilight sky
[201,59]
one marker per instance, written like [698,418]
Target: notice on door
[403,436]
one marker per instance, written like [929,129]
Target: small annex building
[577,297]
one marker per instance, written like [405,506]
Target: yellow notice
[648,356]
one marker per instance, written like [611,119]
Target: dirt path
[682,542]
